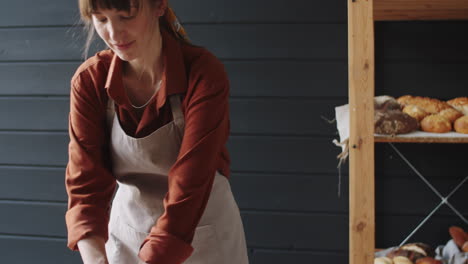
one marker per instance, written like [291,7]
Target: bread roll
[461,125]
[460,103]
[415,112]
[451,114]
[430,105]
[428,260]
[401,260]
[436,124]
[421,248]
[383,260]
[458,235]
[385,102]
[394,122]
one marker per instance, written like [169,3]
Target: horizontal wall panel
[38,148]
[36,78]
[34,113]
[39,12]
[261,256]
[46,184]
[56,12]
[284,116]
[247,78]
[36,44]
[22,250]
[248,115]
[239,41]
[288,78]
[423,41]
[36,219]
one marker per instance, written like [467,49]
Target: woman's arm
[92,250]
[192,175]
[88,180]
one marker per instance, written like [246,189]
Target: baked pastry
[430,105]
[423,249]
[460,103]
[415,112]
[402,260]
[383,260]
[394,122]
[385,102]
[399,252]
[436,124]
[451,114]
[428,260]
[461,125]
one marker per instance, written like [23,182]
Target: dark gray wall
[287,61]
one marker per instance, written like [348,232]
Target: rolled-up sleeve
[191,177]
[88,180]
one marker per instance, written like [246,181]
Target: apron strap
[177,114]
[110,112]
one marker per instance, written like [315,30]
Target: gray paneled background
[287,62]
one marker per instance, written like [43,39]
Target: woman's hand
[92,250]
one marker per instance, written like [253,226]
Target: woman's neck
[149,67]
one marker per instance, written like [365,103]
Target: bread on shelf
[430,105]
[436,124]
[461,125]
[460,103]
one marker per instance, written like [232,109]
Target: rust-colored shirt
[201,78]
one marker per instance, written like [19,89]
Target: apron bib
[141,167]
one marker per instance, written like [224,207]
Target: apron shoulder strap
[177,115]
[110,112]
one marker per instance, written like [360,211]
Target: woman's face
[124,32]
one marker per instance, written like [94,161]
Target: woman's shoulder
[93,69]
[202,64]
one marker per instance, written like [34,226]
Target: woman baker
[149,117]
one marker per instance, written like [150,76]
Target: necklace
[142,106]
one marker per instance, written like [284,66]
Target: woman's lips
[124,46]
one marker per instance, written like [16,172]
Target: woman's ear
[161,7]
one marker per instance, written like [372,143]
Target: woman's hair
[87,7]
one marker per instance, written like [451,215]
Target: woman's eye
[102,20]
[127,17]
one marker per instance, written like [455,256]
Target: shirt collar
[174,74]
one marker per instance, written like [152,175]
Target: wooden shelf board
[406,139]
[391,10]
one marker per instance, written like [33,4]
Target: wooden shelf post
[361,141]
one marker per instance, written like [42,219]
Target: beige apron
[141,167]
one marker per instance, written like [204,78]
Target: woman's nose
[116,31]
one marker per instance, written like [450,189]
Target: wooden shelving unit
[361,17]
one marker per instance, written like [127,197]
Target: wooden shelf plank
[390,10]
[423,137]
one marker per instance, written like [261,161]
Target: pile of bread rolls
[437,116]
[420,253]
